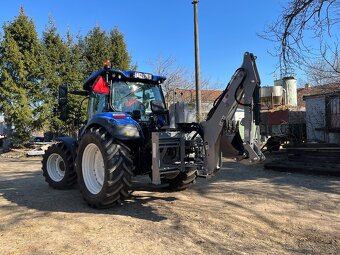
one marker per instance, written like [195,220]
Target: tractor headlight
[128,131]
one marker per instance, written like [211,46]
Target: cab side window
[97,104]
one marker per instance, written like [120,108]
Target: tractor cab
[139,95]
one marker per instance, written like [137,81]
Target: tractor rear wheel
[104,169]
[182,181]
[58,167]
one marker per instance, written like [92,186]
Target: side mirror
[157,107]
[82,93]
[62,102]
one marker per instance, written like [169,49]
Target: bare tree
[175,74]
[305,34]
[178,78]
[325,69]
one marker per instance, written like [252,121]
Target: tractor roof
[123,75]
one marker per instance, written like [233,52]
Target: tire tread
[119,170]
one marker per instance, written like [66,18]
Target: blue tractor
[129,133]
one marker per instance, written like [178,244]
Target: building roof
[316,90]
[334,93]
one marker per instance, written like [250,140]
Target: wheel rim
[93,168]
[56,167]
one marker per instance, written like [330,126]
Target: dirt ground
[242,210]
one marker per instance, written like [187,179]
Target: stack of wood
[38,148]
[323,159]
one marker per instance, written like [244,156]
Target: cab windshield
[131,96]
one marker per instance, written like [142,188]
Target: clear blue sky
[154,28]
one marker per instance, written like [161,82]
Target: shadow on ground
[28,189]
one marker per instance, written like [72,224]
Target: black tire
[118,167]
[58,167]
[273,144]
[182,181]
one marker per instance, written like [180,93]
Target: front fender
[70,143]
[122,129]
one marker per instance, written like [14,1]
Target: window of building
[334,112]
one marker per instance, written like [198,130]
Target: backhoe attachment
[221,136]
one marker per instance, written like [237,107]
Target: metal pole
[197,63]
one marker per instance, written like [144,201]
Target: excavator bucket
[232,146]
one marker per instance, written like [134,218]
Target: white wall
[315,118]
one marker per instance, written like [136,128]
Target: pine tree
[98,46]
[95,48]
[56,53]
[32,70]
[63,66]
[119,56]
[20,93]
[75,78]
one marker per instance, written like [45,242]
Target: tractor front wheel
[104,168]
[182,181]
[58,167]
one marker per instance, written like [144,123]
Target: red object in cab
[100,86]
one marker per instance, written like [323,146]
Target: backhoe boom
[220,132]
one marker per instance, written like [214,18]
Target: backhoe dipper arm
[245,86]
